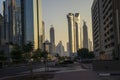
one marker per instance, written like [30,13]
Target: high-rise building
[97,27]
[42,38]
[73,32]
[33,22]
[1,26]
[47,46]
[23,22]
[77,31]
[81,43]
[106,27]
[60,49]
[90,45]
[68,50]
[52,40]
[12,21]
[85,35]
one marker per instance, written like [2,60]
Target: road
[72,72]
[11,71]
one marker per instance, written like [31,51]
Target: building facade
[60,49]
[33,22]
[85,36]
[42,37]
[77,30]
[73,32]
[52,40]
[23,22]
[106,27]
[1,26]
[90,45]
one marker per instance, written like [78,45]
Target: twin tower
[74,32]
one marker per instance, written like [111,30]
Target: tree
[38,54]
[3,58]
[82,53]
[85,54]
[45,56]
[115,56]
[57,56]
[17,54]
[91,55]
[28,49]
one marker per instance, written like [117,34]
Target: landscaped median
[35,76]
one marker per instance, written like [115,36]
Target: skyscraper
[90,45]
[71,33]
[106,27]
[23,22]
[77,31]
[60,49]
[33,22]
[97,27]
[12,21]
[85,35]
[42,37]
[1,26]
[74,32]
[52,39]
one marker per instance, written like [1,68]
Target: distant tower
[85,35]
[68,50]
[74,32]
[42,37]
[90,45]
[23,22]
[52,40]
[81,43]
[71,33]
[60,49]
[1,26]
[77,31]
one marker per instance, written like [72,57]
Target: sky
[1,8]
[54,13]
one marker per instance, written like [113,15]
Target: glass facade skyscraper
[33,22]
[12,21]
[23,21]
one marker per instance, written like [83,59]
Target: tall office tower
[106,27]
[81,43]
[74,32]
[23,21]
[68,49]
[52,39]
[1,26]
[90,45]
[12,21]
[47,46]
[33,22]
[97,27]
[60,49]
[77,30]
[42,38]
[71,33]
[85,35]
